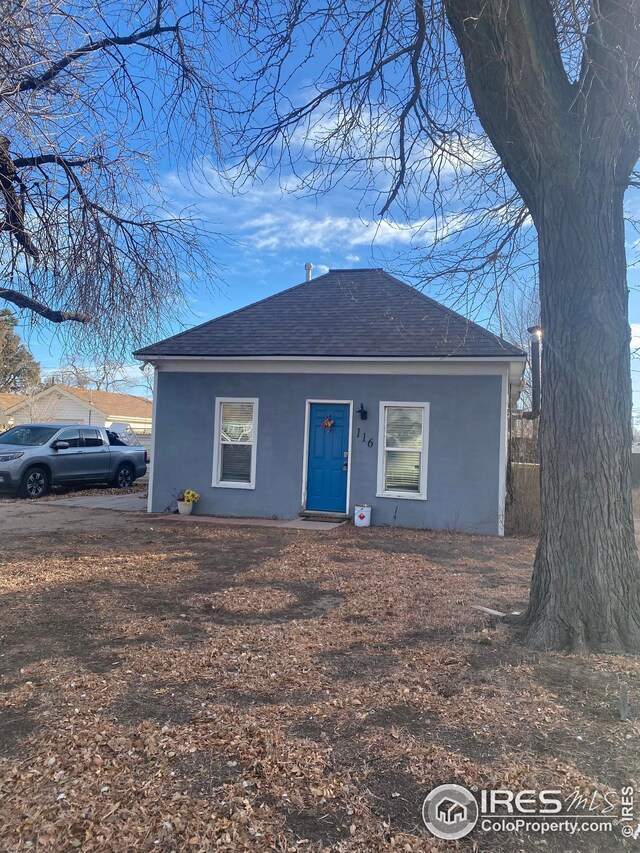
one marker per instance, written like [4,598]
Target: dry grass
[184,687]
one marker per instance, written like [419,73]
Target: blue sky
[270,231]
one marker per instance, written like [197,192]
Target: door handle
[345,466]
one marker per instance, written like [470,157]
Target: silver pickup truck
[34,457]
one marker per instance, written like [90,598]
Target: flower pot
[185,508]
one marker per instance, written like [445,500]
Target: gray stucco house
[351,388]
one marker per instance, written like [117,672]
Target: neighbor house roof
[8,400]
[107,402]
[345,313]
[116,405]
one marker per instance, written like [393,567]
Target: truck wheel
[35,483]
[124,477]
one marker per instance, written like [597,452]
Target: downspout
[535,355]
[535,344]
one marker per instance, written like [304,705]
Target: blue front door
[328,461]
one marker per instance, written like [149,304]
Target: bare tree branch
[84,221]
[518,83]
[31,83]
[50,314]
[48,159]
[13,208]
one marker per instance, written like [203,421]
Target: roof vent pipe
[307,268]
[535,344]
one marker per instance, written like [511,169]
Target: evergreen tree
[19,371]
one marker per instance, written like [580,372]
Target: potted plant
[186,499]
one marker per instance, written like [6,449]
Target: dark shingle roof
[345,313]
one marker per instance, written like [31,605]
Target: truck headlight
[9,457]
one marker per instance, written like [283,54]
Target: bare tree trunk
[585,592]
[569,150]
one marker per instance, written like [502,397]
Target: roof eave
[511,357]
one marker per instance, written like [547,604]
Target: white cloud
[635,336]
[269,218]
[293,230]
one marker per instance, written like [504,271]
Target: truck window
[71,436]
[91,437]
[114,439]
[28,436]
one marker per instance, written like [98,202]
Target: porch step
[317,515]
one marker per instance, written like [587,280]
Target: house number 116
[363,438]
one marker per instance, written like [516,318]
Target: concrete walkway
[34,519]
[293,524]
[136,502]
[84,512]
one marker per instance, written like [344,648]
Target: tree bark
[569,150]
[585,592]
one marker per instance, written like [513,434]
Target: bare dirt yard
[182,686]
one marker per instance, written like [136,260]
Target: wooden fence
[523,499]
[523,496]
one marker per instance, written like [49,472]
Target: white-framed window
[234,450]
[403,435]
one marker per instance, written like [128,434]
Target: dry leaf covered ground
[181,686]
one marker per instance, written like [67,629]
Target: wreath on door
[327,423]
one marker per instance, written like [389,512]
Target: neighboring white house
[65,404]
[7,401]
